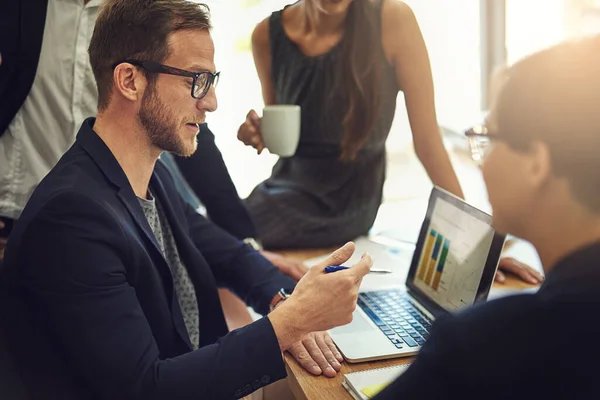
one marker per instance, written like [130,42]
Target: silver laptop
[453,266]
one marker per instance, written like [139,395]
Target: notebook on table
[364,385]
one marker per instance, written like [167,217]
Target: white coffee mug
[280,128]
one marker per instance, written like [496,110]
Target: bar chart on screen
[453,257]
[434,258]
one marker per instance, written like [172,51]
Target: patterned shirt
[184,288]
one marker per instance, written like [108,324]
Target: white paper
[386,254]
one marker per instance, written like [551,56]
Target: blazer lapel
[131,202]
[140,218]
[107,163]
[211,318]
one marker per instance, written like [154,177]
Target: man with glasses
[109,287]
[40,115]
[230,214]
[539,154]
[200,82]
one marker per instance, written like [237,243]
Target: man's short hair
[138,29]
[554,96]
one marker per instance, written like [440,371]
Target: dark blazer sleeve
[77,284]
[236,265]
[207,175]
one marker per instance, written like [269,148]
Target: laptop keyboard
[392,311]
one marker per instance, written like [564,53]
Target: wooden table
[306,386]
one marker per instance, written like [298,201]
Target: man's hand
[317,354]
[523,271]
[292,268]
[307,309]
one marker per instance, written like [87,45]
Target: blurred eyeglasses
[481,142]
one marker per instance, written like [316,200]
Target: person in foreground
[119,298]
[542,172]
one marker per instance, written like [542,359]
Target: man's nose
[209,102]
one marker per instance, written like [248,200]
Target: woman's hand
[249,132]
[523,271]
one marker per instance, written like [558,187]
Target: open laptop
[453,266]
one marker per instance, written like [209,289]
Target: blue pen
[334,268]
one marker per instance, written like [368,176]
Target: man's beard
[161,126]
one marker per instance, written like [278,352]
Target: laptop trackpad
[359,324]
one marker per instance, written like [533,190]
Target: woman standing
[343,62]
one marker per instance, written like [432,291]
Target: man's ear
[539,164]
[129,81]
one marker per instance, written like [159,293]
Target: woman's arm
[261,51]
[405,49]
[249,131]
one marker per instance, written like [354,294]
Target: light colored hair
[553,96]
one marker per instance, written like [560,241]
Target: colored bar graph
[440,267]
[434,258]
[426,255]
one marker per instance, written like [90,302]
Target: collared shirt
[63,94]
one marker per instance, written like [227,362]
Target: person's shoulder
[477,334]
[76,174]
[488,321]
[400,30]
[500,311]
[75,186]
[61,214]
[397,13]
[396,6]
[68,207]
[260,35]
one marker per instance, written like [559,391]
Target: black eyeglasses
[202,81]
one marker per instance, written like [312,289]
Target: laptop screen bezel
[491,263]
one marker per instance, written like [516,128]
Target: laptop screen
[459,252]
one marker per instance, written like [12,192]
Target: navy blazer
[89,306]
[534,346]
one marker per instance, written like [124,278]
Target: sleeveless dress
[315,199]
